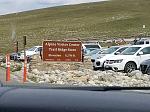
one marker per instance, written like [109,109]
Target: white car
[91,46]
[97,55]
[91,53]
[129,59]
[99,62]
[29,52]
[88,56]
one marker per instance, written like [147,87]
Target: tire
[95,69]
[129,67]
[143,72]
[148,71]
[102,69]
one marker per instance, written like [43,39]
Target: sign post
[62,51]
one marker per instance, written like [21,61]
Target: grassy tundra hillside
[119,18]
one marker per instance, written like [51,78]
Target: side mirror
[116,53]
[140,53]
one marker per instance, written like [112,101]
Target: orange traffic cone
[25,70]
[7,67]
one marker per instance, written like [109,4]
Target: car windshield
[94,52]
[130,51]
[75,42]
[92,46]
[32,49]
[110,50]
[139,42]
[121,49]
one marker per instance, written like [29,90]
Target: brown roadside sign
[62,51]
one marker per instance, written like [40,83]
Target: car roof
[37,46]
[143,45]
[144,39]
[91,44]
[125,46]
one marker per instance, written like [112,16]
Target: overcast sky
[12,6]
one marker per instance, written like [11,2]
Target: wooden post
[25,60]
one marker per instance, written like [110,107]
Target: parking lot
[80,74]
[93,71]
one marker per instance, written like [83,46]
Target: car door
[145,54]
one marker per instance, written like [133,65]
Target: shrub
[17,68]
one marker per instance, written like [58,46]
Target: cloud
[12,6]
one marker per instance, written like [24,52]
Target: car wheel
[103,68]
[148,71]
[143,72]
[129,67]
[95,69]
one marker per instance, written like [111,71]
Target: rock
[57,71]
[91,82]
[46,80]
[37,80]
[63,74]
[78,73]
[83,79]
[111,72]
[60,82]
[35,71]
[52,72]
[36,57]
[46,76]
[41,82]
[51,80]
[133,73]
[106,78]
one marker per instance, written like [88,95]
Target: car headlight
[118,61]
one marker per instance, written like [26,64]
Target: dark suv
[145,67]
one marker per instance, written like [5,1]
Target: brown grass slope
[114,18]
